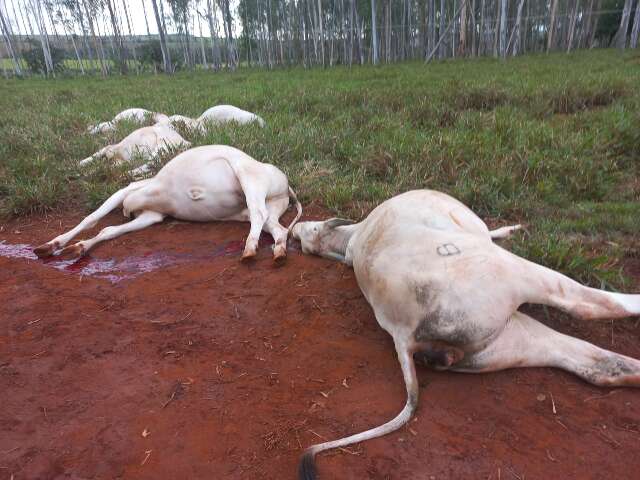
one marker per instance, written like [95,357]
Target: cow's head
[324,238]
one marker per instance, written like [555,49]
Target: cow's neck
[338,243]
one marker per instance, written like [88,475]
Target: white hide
[207,183]
[139,115]
[229,113]
[189,123]
[146,142]
[448,295]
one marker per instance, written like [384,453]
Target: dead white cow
[229,113]
[146,141]
[215,115]
[448,295]
[189,123]
[139,115]
[213,182]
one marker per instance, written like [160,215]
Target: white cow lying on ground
[139,115]
[215,115]
[145,141]
[448,295]
[213,182]
[229,113]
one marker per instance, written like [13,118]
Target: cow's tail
[293,195]
[307,467]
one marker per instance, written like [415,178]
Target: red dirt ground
[233,368]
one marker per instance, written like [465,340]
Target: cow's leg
[145,219]
[545,286]
[141,171]
[99,154]
[504,232]
[255,193]
[90,221]
[276,207]
[525,342]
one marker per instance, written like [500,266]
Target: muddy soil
[161,355]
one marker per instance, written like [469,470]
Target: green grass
[549,141]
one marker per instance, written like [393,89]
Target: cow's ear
[337,222]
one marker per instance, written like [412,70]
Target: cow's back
[420,270]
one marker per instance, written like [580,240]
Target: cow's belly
[205,194]
[212,205]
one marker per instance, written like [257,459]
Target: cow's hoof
[45,250]
[73,251]
[248,255]
[279,254]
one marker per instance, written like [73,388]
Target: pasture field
[550,141]
[162,355]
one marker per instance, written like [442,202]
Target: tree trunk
[595,16]
[166,56]
[75,47]
[462,44]
[572,25]
[483,34]
[202,49]
[443,34]
[85,41]
[44,42]
[116,33]
[25,14]
[7,34]
[474,46]
[514,41]
[552,24]
[131,36]
[97,42]
[636,27]
[387,32]
[621,35]
[441,52]
[503,28]
[228,29]
[146,19]
[374,33]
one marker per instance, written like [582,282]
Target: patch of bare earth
[213,368]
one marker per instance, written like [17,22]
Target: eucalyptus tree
[180,10]
[515,33]
[213,32]
[132,37]
[374,33]
[166,54]
[64,17]
[90,9]
[636,27]
[227,22]
[36,10]
[552,24]
[122,63]
[6,32]
[146,19]
[621,35]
